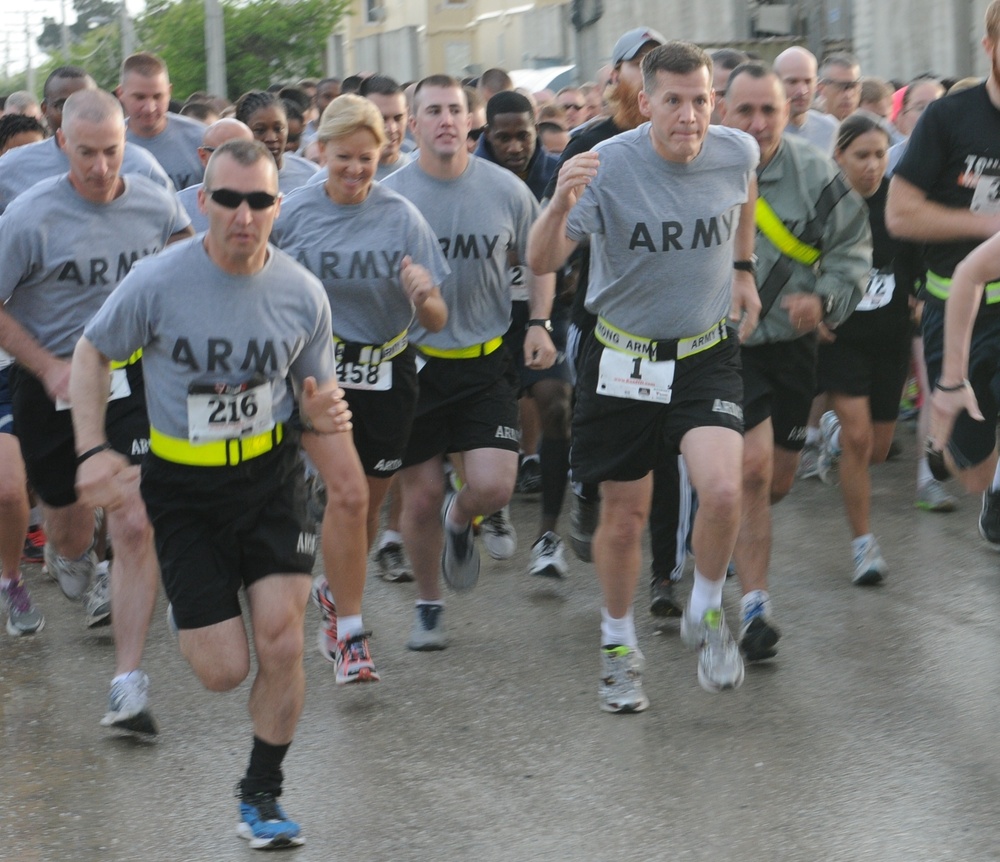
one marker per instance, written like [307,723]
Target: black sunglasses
[476,134]
[231,200]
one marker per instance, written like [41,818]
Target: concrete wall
[892,38]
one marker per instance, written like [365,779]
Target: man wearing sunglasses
[65,244]
[223,483]
[840,85]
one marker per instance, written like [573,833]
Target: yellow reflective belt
[783,239]
[132,360]
[214,453]
[382,352]
[673,348]
[484,349]
[939,287]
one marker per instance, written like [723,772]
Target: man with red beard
[944,193]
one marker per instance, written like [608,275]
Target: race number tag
[365,375]
[119,389]
[986,197]
[518,284]
[879,292]
[226,412]
[634,377]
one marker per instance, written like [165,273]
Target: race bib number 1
[225,412]
[634,377]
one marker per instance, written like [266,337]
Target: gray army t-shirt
[189,200]
[63,255]
[176,148]
[482,220]
[22,167]
[661,260]
[197,324]
[295,172]
[356,251]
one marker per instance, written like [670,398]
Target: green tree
[267,41]
[90,14]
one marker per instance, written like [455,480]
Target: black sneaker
[529,476]
[663,601]
[989,519]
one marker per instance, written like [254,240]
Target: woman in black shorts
[863,364]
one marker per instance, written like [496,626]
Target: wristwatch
[545,323]
[746,265]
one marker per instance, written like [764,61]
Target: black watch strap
[543,322]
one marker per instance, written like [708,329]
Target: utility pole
[27,48]
[64,33]
[215,48]
[128,34]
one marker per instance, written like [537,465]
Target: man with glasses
[222,483]
[840,85]
[66,243]
[797,69]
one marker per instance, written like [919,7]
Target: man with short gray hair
[66,243]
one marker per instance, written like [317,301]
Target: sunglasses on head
[231,200]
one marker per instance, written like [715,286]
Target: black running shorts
[382,420]
[867,370]
[220,528]
[46,434]
[779,382]
[464,404]
[619,439]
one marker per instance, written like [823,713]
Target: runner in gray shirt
[66,243]
[649,388]
[173,140]
[380,264]
[223,482]
[264,113]
[21,168]
[481,214]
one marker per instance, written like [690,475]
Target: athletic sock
[390,537]
[349,626]
[264,771]
[705,595]
[618,632]
[924,474]
[751,598]
[555,465]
